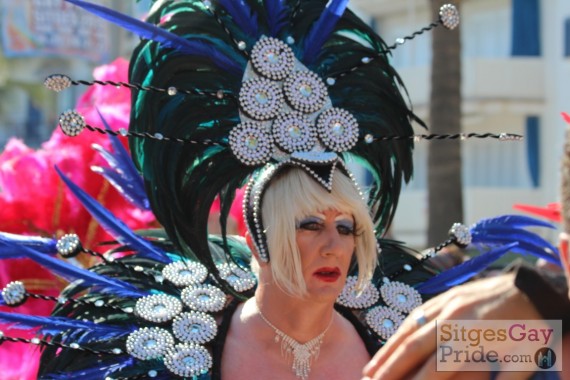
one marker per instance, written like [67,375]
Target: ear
[564,246]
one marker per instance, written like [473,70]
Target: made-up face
[326,242]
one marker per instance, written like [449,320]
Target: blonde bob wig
[292,196]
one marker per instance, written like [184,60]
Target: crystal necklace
[303,354]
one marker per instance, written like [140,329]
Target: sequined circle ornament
[461,234]
[194,327]
[272,58]
[251,144]
[14,294]
[184,274]
[205,298]
[69,245]
[71,123]
[400,296]
[305,91]
[261,98]
[57,82]
[238,278]
[293,132]
[352,298]
[384,321]
[449,16]
[188,360]
[149,343]
[158,308]
[338,129]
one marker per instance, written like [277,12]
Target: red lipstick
[327,274]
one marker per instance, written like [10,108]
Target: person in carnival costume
[275,96]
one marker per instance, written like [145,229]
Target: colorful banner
[40,28]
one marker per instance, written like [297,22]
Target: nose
[332,242]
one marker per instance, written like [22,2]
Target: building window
[567,37]
[526,28]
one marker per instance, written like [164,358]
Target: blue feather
[122,173]
[463,272]
[14,242]
[165,38]
[114,226]
[242,15]
[71,272]
[276,11]
[510,220]
[322,28]
[59,325]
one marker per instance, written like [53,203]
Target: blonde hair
[292,196]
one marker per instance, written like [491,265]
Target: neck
[301,319]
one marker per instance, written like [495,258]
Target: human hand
[411,351]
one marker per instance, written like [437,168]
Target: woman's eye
[345,230]
[311,226]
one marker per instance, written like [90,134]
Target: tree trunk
[445,197]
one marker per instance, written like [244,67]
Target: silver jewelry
[183,274]
[338,129]
[350,297]
[57,82]
[14,294]
[293,132]
[449,16]
[461,234]
[305,91]
[68,246]
[384,321]
[238,278]
[303,354]
[261,98]
[272,58]
[420,317]
[251,144]
[158,308]
[149,343]
[188,360]
[71,123]
[204,298]
[195,327]
[400,296]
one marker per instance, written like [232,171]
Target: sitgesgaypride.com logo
[499,345]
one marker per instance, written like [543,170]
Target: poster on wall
[48,28]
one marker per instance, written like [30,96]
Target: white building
[516,78]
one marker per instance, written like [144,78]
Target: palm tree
[445,198]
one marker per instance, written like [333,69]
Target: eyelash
[315,226]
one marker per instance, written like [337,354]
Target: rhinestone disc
[400,296]
[205,298]
[272,58]
[188,360]
[158,308]
[184,274]
[57,82]
[69,245]
[449,16]
[461,234]
[293,133]
[338,129]
[305,91]
[350,297]
[149,343]
[71,123]
[14,293]
[239,279]
[261,98]
[194,327]
[250,144]
[384,321]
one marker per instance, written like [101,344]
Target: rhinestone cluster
[384,321]
[338,129]
[305,91]
[449,16]
[188,360]
[272,58]
[461,234]
[205,298]
[183,274]
[350,297]
[194,327]
[238,278]
[293,132]
[261,98]
[57,82]
[158,308]
[69,245]
[71,123]
[250,144]
[14,293]
[400,296]
[149,343]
